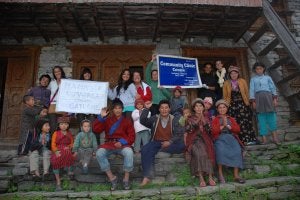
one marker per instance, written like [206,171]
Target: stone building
[107,37]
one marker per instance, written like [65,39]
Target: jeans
[151,149]
[141,137]
[103,154]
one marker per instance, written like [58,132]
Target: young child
[85,145]
[186,114]
[44,140]
[142,133]
[264,99]
[177,102]
[209,112]
[61,145]
[27,124]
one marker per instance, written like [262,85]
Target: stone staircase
[261,162]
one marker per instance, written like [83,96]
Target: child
[85,145]
[264,99]
[186,114]
[209,112]
[142,133]
[43,114]
[44,140]
[177,101]
[61,144]
[27,124]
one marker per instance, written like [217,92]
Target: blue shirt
[260,83]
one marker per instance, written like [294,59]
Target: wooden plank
[61,23]
[288,78]
[158,19]
[124,28]
[282,32]
[269,47]
[259,33]
[282,61]
[97,23]
[36,22]
[75,16]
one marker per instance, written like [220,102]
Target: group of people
[145,119]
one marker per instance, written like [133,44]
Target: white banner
[81,96]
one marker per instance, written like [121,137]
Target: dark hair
[208,63]
[258,64]
[123,84]
[155,70]
[27,98]
[164,101]
[45,76]
[117,102]
[141,75]
[63,75]
[86,71]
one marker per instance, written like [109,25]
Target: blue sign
[178,71]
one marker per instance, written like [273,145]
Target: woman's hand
[104,112]
[118,145]
[253,105]
[57,153]
[275,102]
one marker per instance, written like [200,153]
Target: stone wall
[294,6]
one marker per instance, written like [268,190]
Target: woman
[87,75]
[199,145]
[125,91]
[58,74]
[143,90]
[236,94]
[225,132]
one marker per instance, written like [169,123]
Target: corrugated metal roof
[243,3]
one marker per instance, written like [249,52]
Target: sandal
[222,180]
[114,184]
[239,180]
[202,184]
[212,182]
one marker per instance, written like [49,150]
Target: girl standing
[264,100]
[61,145]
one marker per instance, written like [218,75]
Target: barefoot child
[264,100]
[209,112]
[42,145]
[85,145]
[61,144]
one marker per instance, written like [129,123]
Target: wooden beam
[97,23]
[37,24]
[220,22]
[159,13]
[269,47]
[259,33]
[61,23]
[124,28]
[247,26]
[187,25]
[282,32]
[288,78]
[282,61]
[15,34]
[76,18]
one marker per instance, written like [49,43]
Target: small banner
[81,96]
[178,71]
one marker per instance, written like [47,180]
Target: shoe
[85,170]
[58,188]
[239,180]
[202,184]
[212,182]
[222,180]
[126,185]
[276,142]
[250,143]
[114,184]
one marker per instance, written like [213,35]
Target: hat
[222,101]
[208,100]
[40,123]
[137,101]
[177,88]
[197,100]
[63,120]
[233,68]
[117,102]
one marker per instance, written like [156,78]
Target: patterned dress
[62,143]
[243,115]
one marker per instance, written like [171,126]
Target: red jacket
[124,133]
[216,131]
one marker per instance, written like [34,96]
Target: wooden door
[20,76]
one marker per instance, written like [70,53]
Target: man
[40,93]
[119,136]
[166,135]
